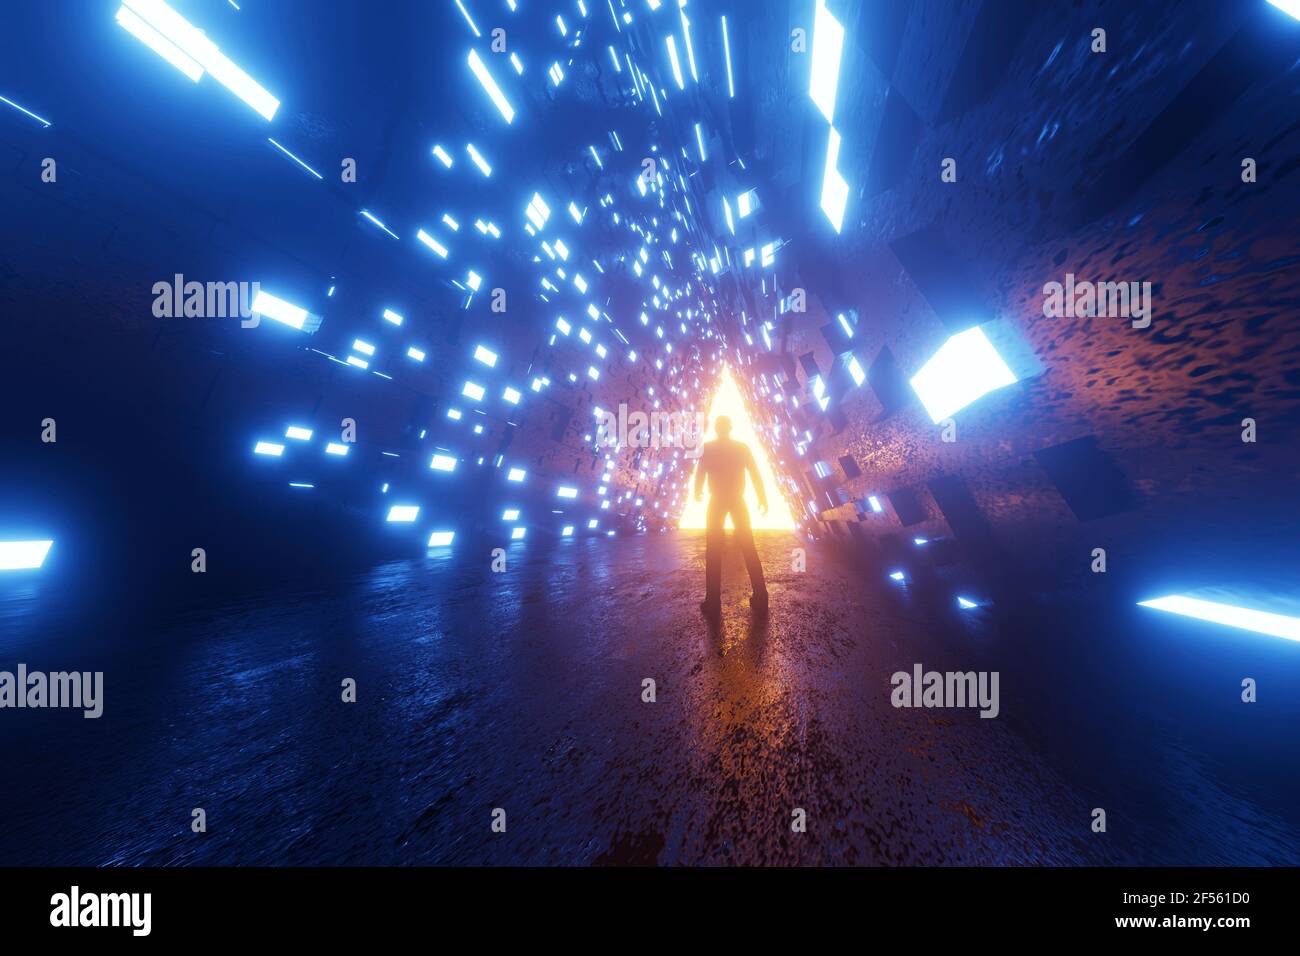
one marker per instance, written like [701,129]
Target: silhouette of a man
[724,463]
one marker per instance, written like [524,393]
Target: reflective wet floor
[768,741]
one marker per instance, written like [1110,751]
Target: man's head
[722,425]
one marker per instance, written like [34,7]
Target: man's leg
[745,539]
[714,542]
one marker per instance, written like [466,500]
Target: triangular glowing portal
[727,401]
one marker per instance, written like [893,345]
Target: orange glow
[727,401]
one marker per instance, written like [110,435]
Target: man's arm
[700,468]
[752,467]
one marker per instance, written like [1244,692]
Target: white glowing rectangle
[23,555]
[358,362]
[875,503]
[392,316]
[275,308]
[432,243]
[515,474]
[835,188]
[443,463]
[443,156]
[855,370]
[828,45]
[268,448]
[726,50]
[676,64]
[567,532]
[565,491]
[486,356]
[1248,619]
[480,71]
[441,539]
[455,414]
[478,160]
[403,513]
[298,432]
[510,514]
[563,326]
[1288,6]
[966,368]
[512,395]
[159,43]
[473,391]
[365,348]
[334,448]
[415,353]
[517,534]
[194,44]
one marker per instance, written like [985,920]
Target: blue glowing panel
[440,539]
[403,513]
[828,46]
[281,311]
[966,368]
[23,555]
[477,158]
[726,52]
[480,71]
[188,49]
[1248,619]
[155,41]
[432,243]
[835,188]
